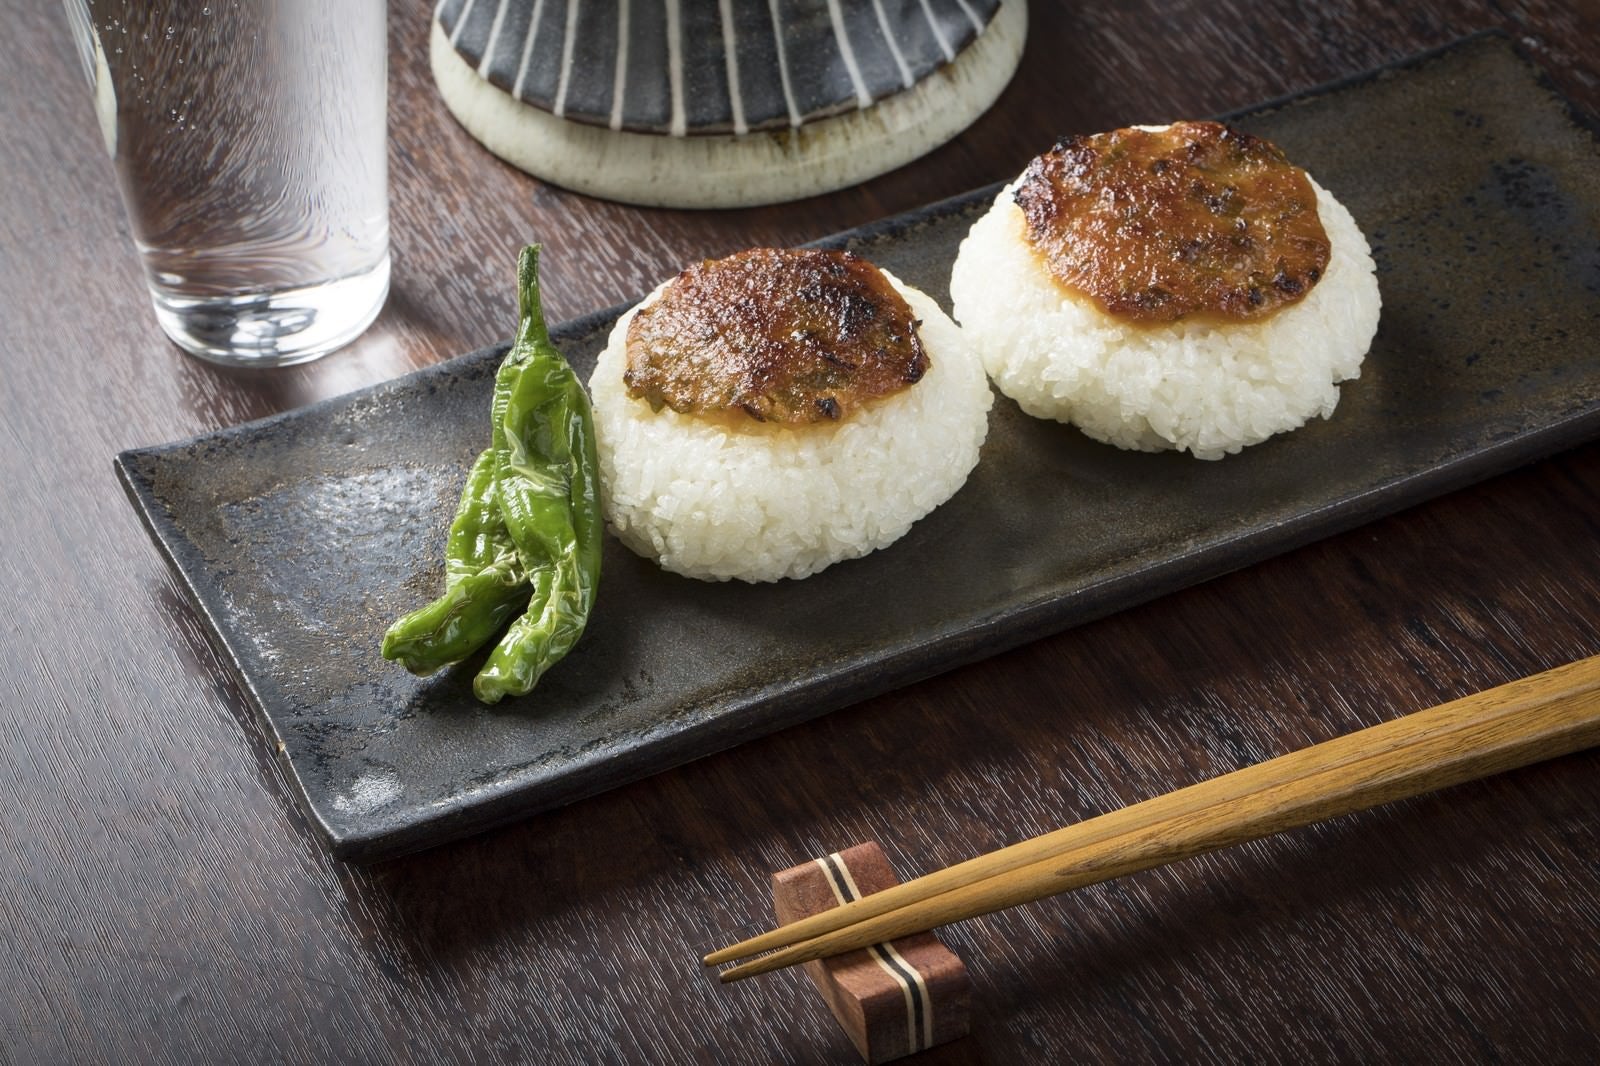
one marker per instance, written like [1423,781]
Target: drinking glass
[249,142]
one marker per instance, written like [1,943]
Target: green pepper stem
[531,328]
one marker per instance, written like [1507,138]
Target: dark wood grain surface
[162,901]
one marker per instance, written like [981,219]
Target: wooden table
[161,899]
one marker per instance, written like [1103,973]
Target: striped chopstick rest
[891,999]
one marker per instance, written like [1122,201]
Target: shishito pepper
[547,487]
[528,530]
[485,583]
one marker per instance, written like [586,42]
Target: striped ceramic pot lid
[708,66]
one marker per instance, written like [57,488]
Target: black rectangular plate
[300,537]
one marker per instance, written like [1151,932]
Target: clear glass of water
[249,142]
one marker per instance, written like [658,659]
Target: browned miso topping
[1196,219]
[791,336]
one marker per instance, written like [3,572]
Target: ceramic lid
[708,66]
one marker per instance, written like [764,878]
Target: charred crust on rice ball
[790,336]
[1198,219]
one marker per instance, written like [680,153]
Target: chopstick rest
[891,999]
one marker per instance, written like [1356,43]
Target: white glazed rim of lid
[735,170]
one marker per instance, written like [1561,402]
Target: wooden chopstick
[1540,717]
